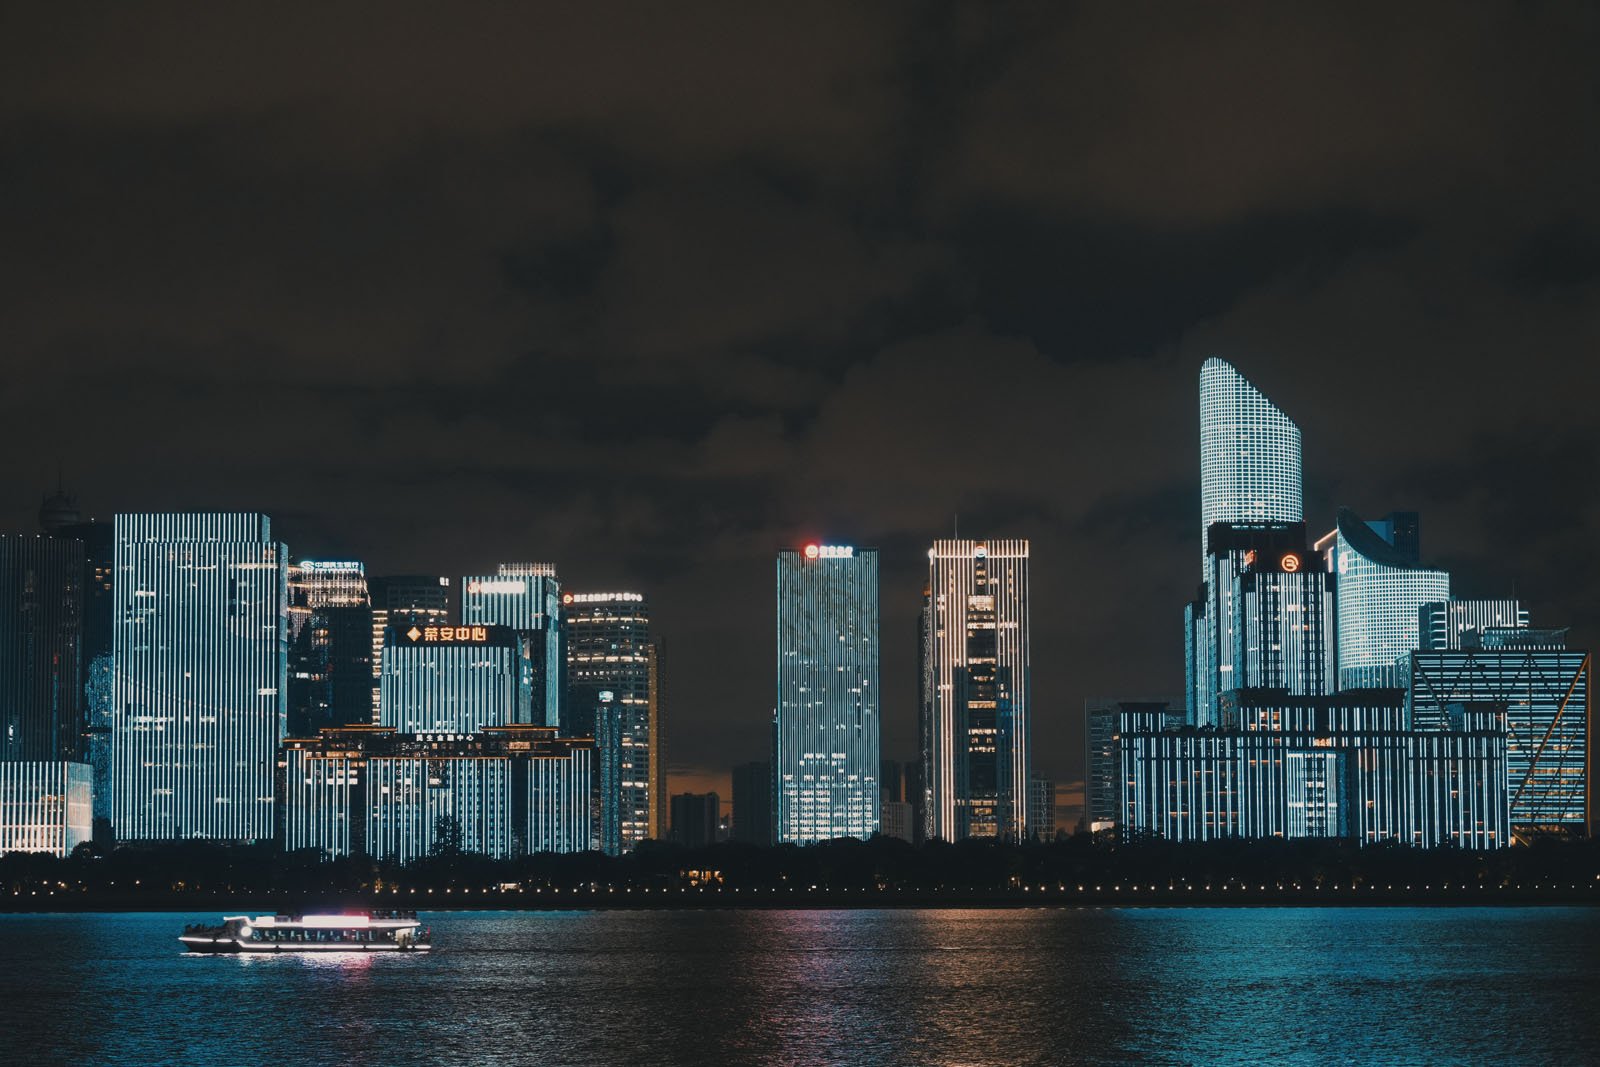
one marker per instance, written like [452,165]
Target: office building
[1041,808]
[45,806]
[1382,587]
[1102,732]
[610,753]
[98,611]
[408,598]
[752,803]
[1249,455]
[200,645]
[371,791]
[1445,624]
[1265,618]
[826,744]
[696,818]
[608,653]
[330,646]
[658,745]
[527,598]
[322,583]
[1345,765]
[1544,688]
[41,653]
[455,679]
[977,691]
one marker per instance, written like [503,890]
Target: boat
[378,931]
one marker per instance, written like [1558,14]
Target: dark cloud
[651,291]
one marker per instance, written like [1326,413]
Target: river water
[1044,986]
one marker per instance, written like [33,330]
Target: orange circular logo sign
[1291,563]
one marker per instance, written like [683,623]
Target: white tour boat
[378,931]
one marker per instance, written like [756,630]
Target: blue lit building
[1265,618]
[1453,623]
[1382,587]
[200,646]
[1544,688]
[527,598]
[826,739]
[454,679]
[977,691]
[1249,455]
[501,792]
[1250,476]
[1346,765]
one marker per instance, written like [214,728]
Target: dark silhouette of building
[41,673]
[695,818]
[752,803]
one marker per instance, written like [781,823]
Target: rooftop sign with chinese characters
[829,552]
[503,586]
[602,598]
[454,635]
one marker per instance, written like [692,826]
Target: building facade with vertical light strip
[423,598]
[827,729]
[1346,765]
[45,806]
[200,647]
[371,791]
[977,691]
[527,598]
[454,679]
[608,650]
[1267,619]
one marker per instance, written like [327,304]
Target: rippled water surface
[1379,985]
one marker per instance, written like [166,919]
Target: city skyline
[559,302]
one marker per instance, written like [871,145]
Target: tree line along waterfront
[851,873]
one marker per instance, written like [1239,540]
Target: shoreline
[725,899]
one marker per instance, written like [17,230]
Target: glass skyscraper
[826,741]
[1249,454]
[1542,689]
[200,645]
[976,691]
[527,598]
[1382,587]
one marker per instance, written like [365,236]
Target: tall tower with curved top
[1249,454]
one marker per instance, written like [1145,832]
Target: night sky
[652,292]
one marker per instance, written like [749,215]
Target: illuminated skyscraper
[826,744]
[1266,618]
[455,679]
[607,638]
[419,598]
[527,598]
[201,657]
[330,645]
[1382,587]
[1249,454]
[976,691]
